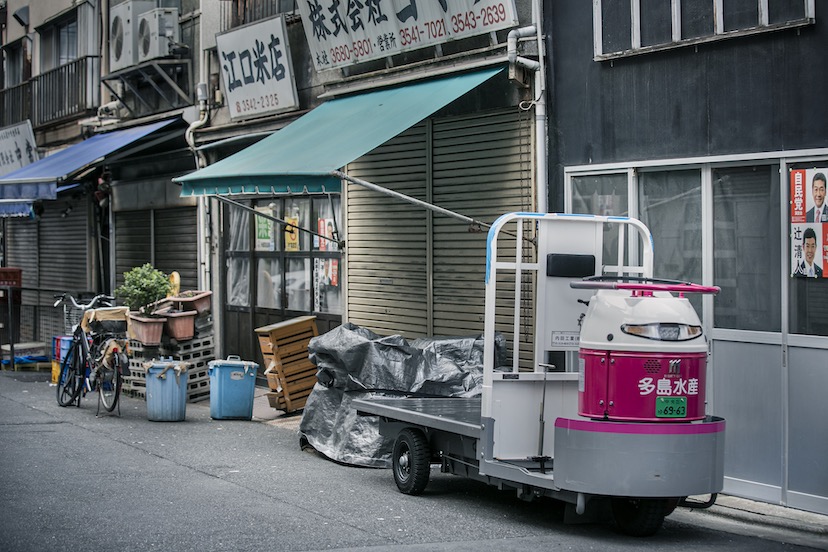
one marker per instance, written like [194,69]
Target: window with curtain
[669,204]
[747,250]
[294,270]
[604,194]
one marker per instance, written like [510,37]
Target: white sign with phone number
[256,69]
[346,32]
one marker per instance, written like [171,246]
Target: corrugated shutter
[171,247]
[133,241]
[64,247]
[21,252]
[176,244]
[481,166]
[387,276]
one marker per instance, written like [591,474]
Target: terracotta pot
[146,329]
[180,325]
[198,301]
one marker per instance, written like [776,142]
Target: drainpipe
[202,210]
[541,139]
[203,115]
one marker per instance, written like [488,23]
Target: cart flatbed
[459,415]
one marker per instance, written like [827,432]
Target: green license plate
[671,407]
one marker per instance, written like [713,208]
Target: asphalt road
[71,481]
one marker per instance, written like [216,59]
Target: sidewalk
[729,513]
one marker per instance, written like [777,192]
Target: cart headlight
[662,331]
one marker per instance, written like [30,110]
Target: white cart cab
[602,404]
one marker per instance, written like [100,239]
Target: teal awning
[304,155]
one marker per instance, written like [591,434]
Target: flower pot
[146,329]
[180,325]
[198,301]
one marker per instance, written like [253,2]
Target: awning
[40,179]
[23,208]
[305,155]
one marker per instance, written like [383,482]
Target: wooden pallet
[290,374]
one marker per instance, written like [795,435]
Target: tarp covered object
[354,363]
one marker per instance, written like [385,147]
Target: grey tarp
[354,362]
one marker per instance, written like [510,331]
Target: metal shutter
[53,254]
[172,246]
[386,256]
[480,166]
[133,241]
[176,244]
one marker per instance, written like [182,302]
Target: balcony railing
[70,90]
[235,13]
[16,104]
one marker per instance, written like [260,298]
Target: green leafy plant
[143,287]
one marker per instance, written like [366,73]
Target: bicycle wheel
[109,383]
[69,381]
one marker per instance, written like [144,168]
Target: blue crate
[232,387]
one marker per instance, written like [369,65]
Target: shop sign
[809,223]
[256,69]
[346,32]
[17,147]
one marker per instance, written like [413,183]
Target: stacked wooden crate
[290,373]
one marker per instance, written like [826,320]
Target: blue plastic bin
[167,391]
[232,386]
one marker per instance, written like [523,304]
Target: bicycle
[96,357]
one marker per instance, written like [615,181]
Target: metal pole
[10,303]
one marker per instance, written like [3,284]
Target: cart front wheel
[639,517]
[411,461]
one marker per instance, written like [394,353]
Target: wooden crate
[290,374]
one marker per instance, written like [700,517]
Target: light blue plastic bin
[232,387]
[167,391]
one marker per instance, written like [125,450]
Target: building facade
[705,120]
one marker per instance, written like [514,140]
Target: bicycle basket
[106,320]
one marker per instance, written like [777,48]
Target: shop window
[295,270]
[669,203]
[237,239]
[747,248]
[808,264]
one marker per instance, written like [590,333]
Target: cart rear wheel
[639,517]
[411,461]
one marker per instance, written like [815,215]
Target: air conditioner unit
[123,30]
[157,30]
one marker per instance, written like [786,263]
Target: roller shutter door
[386,257]
[482,168]
[176,244]
[167,238]
[416,273]
[133,241]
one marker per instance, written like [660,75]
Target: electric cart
[603,403]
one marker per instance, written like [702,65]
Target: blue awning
[40,179]
[303,156]
[14,208]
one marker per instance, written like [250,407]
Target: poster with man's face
[809,223]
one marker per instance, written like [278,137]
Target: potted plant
[197,300]
[143,287]
[180,324]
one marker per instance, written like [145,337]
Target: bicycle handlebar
[99,300]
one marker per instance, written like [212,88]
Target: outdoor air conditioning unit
[123,30]
[157,31]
